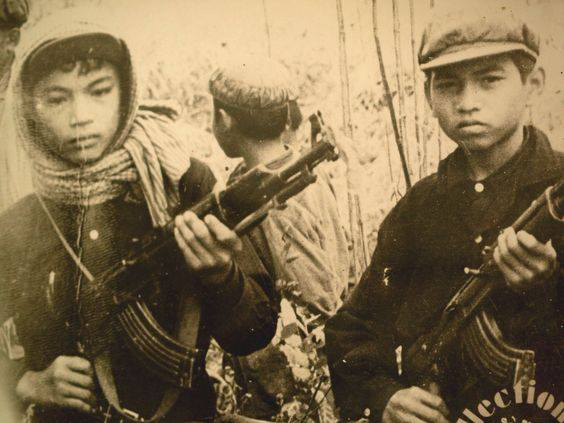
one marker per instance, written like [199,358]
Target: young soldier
[107,170]
[481,76]
[255,118]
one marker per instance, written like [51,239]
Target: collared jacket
[436,231]
[40,288]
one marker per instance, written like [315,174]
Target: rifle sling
[187,333]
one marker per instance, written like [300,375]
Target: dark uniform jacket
[435,231]
[40,287]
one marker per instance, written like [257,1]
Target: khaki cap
[458,35]
[252,82]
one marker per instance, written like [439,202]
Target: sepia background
[330,48]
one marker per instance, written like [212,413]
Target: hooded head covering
[146,147]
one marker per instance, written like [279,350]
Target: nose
[81,113]
[468,99]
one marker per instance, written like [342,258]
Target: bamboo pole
[355,212]
[421,145]
[343,69]
[388,95]
[399,77]
[267,29]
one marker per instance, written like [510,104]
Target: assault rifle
[119,292]
[466,317]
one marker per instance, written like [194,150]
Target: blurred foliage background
[180,42]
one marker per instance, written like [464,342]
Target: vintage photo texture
[167,87]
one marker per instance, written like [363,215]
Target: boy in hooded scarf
[106,169]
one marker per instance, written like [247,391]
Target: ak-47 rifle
[119,292]
[467,319]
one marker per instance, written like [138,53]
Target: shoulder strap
[189,315]
[67,246]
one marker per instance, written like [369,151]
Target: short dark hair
[525,64]
[263,124]
[31,76]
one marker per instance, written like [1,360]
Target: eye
[491,79]
[55,100]
[446,85]
[102,91]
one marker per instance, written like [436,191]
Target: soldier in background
[256,117]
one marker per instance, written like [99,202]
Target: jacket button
[94,234]
[479,187]
[478,239]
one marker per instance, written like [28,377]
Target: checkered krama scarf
[147,148]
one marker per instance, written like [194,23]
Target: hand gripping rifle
[466,318]
[241,206]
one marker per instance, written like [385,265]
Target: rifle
[118,292]
[466,316]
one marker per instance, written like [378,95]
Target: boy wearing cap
[106,170]
[256,117]
[481,76]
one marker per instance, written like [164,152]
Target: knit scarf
[153,155]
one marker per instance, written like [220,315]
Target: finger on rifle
[77,404]
[71,391]
[191,259]
[432,400]
[537,257]
[79,364]
[508,246]
[222,233]
[80,379]
[511,277]
[534,247]
[203,243]
[195,237]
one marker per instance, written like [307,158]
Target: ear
[225,120]
[535,84]
[428,94]
[13,37]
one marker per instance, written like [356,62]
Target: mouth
[471,124]
[83,141]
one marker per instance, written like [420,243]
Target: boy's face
[79,112]
[479,103]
